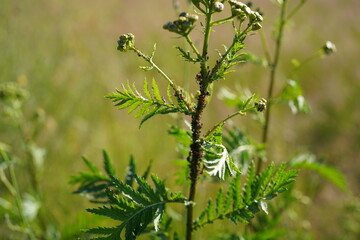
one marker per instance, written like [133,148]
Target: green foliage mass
[134,209]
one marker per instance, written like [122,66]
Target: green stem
[265,46]
[223,121]
[273,71]
[296,9]
[305,61]
[221,21]
[188,39]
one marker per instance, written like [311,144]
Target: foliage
[150,105]
[241,204]
[224,156]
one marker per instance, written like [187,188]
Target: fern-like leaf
[146,106]
[240,204]
[187,56]
[135,209]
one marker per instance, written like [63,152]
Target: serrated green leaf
[130,172]
[186,55]
[134,106]
[143,110]
[244,201]
[146,89]
[91,166]
[146,189]
[107,164]
[150,114]
[309,161]
[219,202]
[156,92]
[169,94]
[159,186]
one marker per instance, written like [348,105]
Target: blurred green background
[64,53]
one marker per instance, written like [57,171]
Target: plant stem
[273,71]
[188,39]
[196,153]
[18,201]
[296,9]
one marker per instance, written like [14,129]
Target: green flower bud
[126,42]
[329,48]
[193,18]
[237,12]
[256,26]
[252,17]
[183,14]
[166,25]
[255,17]
[182,19]
[218,6]
[172,27]
[249,4]
[236,4]
[261,105]
[246,9]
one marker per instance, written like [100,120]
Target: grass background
[64,52]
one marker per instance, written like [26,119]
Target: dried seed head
[126,42]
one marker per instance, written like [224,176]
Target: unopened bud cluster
[126,42]
[243,11]
[183,25]
[329,48]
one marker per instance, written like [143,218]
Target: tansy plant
[139,202]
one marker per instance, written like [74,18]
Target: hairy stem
[196,152]
[273,71]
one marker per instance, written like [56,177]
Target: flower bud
[182,19]
[126,42]
[172,27]
[329,48]
[246,9]
[252,17]
[261,105]
[193,18]
[166,25]
[255,17]
[218,6]
[183,14]
[256,26]
[236,4]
